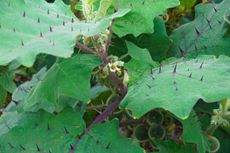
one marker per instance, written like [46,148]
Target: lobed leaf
[178,85]
[30,27]
[140,19]
[207,34]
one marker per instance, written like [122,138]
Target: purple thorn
[160,69]
[175,68]
[48,11]
[197,32]
[66,131]
[72,20]
[41,35]
[14,30]
[24,14]
[202,78]
[11,146]
[215,9]
[57,15]
[201,66]
[190,75]
[38,149]
[38,20]
[23,148]
[148,86]
[209,23]
[51,30]
[152,77]
[22,43]
[183,53]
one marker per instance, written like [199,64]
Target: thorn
[148,86]
[215,9]
[197,32]
[57,15]
[23,148]
[143,3]
[209,23]
[51,30]
[24,14]
[22,43]
[108,146]
[0,26]
[63,23]
[66,131]
[38,149]
[48,127]
[174,82]
[48,11]
[53,43]
[41,35]
[190,75]
[219,22]
[174,70]
[14,101]
[202,78]
[14,30]
[183,53]
[176,89]
[151,71]
[131,5]
[38,20]
[152,77]
[72,20]
[71,147]
[160,69]
[11,146]
[201,66]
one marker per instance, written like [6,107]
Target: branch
[85,48]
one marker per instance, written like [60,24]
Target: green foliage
[167,83]
[193,133]
[53,32]
[62,80]
[110,77]
[207,34]
[140,18]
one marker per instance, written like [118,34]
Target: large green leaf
[67,78]
[44,132]
[32,27]
[178,85]
[192,133]
[39,132]
[140,18]
[207,34]
[105,138]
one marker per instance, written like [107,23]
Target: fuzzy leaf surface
[178,86]
[207,34]
[28,28]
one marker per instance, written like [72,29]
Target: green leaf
[140,18]
[139,53]
[33,27]
[207,34]
[192,133]
[39,132]
[3,95]
[158,42]
[178,87]
[171,147]
[67,78]
[105,138]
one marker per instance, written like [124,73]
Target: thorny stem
[121,88]
[85,48]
